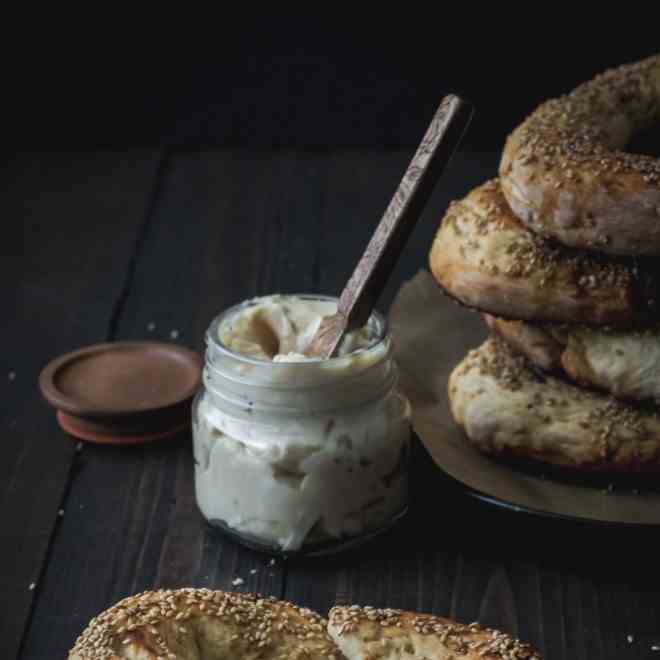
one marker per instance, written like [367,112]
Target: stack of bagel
[561,254]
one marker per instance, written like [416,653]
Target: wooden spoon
[374,268]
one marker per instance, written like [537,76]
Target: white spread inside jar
[291,451]
[281,328]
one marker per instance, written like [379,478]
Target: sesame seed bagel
[366,632]
[536,341]
[486,258]
[200,624]
[508,409]
[624,364]
[565,176]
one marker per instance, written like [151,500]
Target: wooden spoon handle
[370,275]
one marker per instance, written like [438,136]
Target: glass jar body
[302,457]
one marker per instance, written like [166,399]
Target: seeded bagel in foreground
[200,624]
[508,409]
[365,633]
[564,175]
[486,258]
[624,364]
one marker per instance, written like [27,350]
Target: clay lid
[123,392]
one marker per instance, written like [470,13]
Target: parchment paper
[431,335]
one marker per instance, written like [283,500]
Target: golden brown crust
[506,409]
[534,341]
[626,364]
[564,175]
[367,632]
[486,258]
[193,623]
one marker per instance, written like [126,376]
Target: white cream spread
[309,458]
[280,328]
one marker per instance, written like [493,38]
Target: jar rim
[213,336]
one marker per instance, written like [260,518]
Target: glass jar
[301,457]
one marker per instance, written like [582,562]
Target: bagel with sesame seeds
[565,175]
[366,632]
[486,258]
[625,364]
[507,409]
[200,624]
[538,342]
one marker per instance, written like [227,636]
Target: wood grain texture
[226,225]
[70,222]
[374,268]
[210,242]
[389,239]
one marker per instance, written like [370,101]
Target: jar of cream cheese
[299,455]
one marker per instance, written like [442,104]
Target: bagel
[507,409]
[367,632]
[199,623]
[536,341]
[486,258]
[624,364]
[564,175]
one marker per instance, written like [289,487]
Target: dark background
[134,221]
[281,79]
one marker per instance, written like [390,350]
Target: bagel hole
[646,142]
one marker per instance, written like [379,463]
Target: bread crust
[486,258]
[191,623]
[535,341]
[363,633]
[565,176]
[507,409]
[624,364]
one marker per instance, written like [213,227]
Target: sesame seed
[571,138]
[615,433]
[517,253]
[250,621]
[392,624]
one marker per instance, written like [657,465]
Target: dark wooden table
[99,246]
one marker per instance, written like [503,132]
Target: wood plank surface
[70,223]
[224,226]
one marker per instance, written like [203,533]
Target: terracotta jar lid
[123,392]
